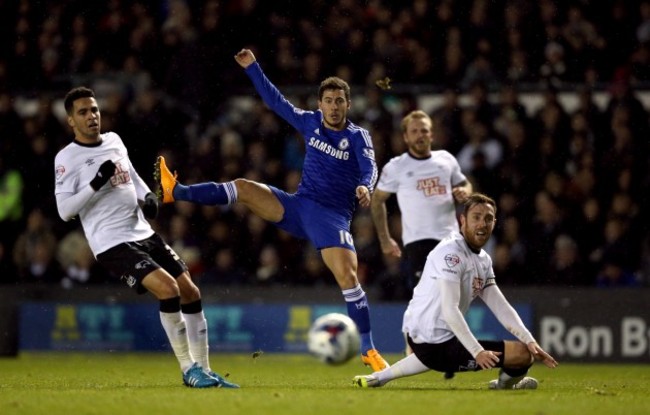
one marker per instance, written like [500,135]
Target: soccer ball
[333,338]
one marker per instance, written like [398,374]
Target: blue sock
[210,193]
[357,303]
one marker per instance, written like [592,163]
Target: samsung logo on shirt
[328,149]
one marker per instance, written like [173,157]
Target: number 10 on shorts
[346,238]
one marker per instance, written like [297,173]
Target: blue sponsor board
[232,327]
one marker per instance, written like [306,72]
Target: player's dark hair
[334,83]
[477,199]
[74,94]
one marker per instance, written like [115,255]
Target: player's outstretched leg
[208,193]
[165,179]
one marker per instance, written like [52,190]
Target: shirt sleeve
[388,178]
[274,99]
[505,313]
[449,301]
[70,204]
[457,176]
[366,160]
[141,188]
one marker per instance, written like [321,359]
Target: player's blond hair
[414,115]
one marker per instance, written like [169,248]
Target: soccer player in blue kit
[339,171]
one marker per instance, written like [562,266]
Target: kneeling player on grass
[456,272]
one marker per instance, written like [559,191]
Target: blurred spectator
[447,127]
[615,258]
[612,275]
[566,264]
[184,243]
[512,237]
[391,281]
[223,270]
[518,157]
[547,225]
[509,109]
[481,142]
[269,270]
[78,262]
[480,103]
[508,271]
[643,29]
[35,251]
[313,267]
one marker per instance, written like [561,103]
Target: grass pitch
[127,383]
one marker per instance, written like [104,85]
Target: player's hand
[363,195]
[150,206]
[104,174]
[244,58]
[391,248]
[539,354]
[460,194]
[487,359]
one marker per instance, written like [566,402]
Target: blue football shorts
[306,219]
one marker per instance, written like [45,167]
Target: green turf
[120,383]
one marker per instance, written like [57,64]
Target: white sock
[174,326]
[197,333]
[408,366]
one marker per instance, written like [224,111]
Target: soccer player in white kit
[428,184]
[96,181]
[456,272]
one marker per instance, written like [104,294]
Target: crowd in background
[571,184]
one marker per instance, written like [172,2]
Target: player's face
[478,225]
[335,108]
[85,120]
[418,137]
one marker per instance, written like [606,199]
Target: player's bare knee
[523,357]
[243,186]
[517,355]
[188,290]
[161,285]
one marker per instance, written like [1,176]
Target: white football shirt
[423,189]
[112,215]
[451,260]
